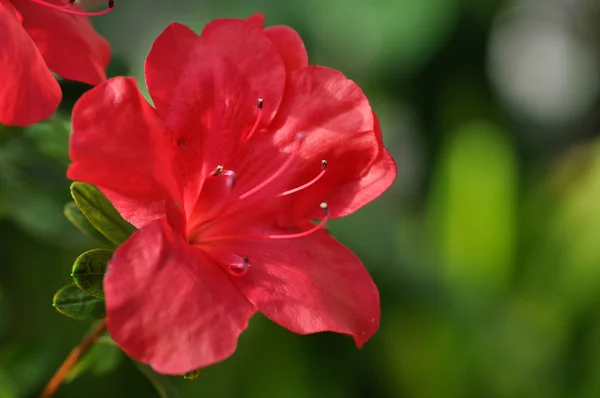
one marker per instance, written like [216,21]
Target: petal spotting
[246,146]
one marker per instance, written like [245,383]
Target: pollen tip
[323,164]
[259,103]
[218,170]
[324,207]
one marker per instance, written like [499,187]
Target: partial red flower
[37,40]
[246,143]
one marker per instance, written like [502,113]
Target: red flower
[222,191]
[36,40]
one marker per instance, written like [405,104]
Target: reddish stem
[77,352]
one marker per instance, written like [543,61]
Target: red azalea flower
[223,191]
[37,38]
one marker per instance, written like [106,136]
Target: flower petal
[171,306]
[338,126]
[257,20]
[164,68]
[68,42]
[353,195]
[290,46]
[310,284]
[206,89]
[114,127]
[28,93]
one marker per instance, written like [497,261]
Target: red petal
[206,89]
[257,20]
[353,195]
[119,144]
[290,46]
[349,197]
[28,93]
[338,125]
[164,69]
[310,284]
[68,43]
[171,306]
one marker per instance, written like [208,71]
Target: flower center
[69,9]
[216,203]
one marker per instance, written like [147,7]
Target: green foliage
[75,303]
[51,138]
[101,213]
[473,210]
[74,214]
[484,251]
[104,357]
[23,367]
[161,383]
[89,269]
[32,186]
[404,34]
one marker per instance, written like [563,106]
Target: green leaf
[89,269]
[51,138]
[101,213]
[103,358]
[161,383]
[25,366]
[74,214]
[75,303]
[474,205]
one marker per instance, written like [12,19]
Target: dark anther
[111,3]
[323,164]
[246,260]
[180,143]
[218,170]
[325,208]
[259,103]
[71,2]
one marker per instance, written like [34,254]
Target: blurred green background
[485,249]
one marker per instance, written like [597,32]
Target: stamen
[259,105]
[280,170]
[218,170]
[67,8]
[212,200]
[308,184]
[314,229]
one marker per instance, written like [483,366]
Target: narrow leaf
[161,383]
[89,269]
[74,214]
[101,213]
[75,303]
